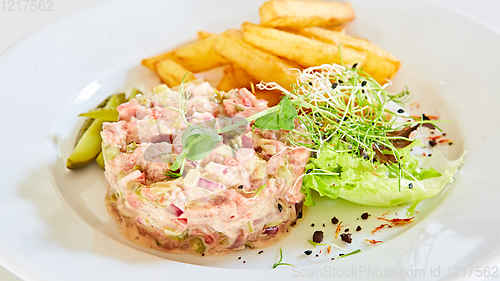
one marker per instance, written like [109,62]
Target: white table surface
[14,26]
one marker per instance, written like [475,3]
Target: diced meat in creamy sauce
[246,192]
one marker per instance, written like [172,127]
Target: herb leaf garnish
[197,142]
[282,119]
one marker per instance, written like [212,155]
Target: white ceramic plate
[65,69]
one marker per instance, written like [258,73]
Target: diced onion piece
[216,169]
[176,211]
[273,230]
[209,185]
[247,142]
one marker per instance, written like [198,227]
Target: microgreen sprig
[351,253]
[345,110]
[278,263]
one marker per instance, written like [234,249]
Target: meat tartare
[245,192]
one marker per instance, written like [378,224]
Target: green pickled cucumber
[89,121]
[197,245]
[89,145]
[133,94]
[83,129]
[104,114]
[181,237]
[100,160]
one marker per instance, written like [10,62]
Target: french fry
[235,77]
[172,73]
[273,97]
[379,63]
[257,63]
[339,28]
[199,56]
[151,62]
[204,34]
[302,50]
[298,14]
[234,33]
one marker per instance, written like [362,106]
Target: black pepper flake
[429,155]
[318,236]
[401,110]
[308,252]
[260,252]
[444,134]
[334,85]
[317,255]
[346,237]
[280,208]
[312,224]
[358,228]
[310,83]
[341,255]
[341,82]
[332,259]
[244,261]
[239,258]
[299,216]
[410,185]
[365,216]
[335,220]
[432,143]
[202,254]
[240,187]
[363,83]
[354,65]
[323,225]
[425,118]
[346,230]
[450,143]
[293,223]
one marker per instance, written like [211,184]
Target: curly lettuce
[358,180]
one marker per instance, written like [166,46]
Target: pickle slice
[89,121]
[104,114]
[100,160]
[133,94]
[89,145]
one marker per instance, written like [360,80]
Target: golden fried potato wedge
[339,28]
[379,63]
[235,77]
[302,50]
[199,56]
[172,73]
[305,13]
[151,62]
[273,97]
[257,63]
[234,33]
[204,34]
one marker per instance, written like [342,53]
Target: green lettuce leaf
[375,184]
